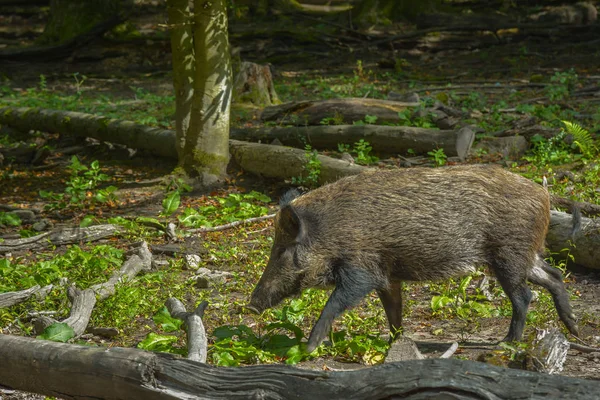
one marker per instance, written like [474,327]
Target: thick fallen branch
[343,111]
[83,302]
[197,342]
[383,139]
[231,224]
[11,298]
[140,259]
[60,237]
[118,373]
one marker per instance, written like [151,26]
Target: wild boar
[374,230]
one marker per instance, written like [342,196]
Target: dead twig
[231,224]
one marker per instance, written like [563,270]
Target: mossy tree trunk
[69,19]
[203,87]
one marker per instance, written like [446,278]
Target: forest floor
[130,78]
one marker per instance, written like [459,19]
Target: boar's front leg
[351,285]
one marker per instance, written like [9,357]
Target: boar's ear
[292,227]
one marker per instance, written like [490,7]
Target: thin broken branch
[11,298]
[60,237]
[231,224]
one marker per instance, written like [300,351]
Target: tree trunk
[85,372]
[182,54]
[202,143]
[69,19]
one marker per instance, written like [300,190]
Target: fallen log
[119,373]
[139,260]
[342,111]
[587,209]
[586,242]
[159,141]
[285,162]
[59,237]
[162,142]
[383,139]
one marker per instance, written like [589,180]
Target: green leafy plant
[234,207]
[167,323]
[235,345]
[10,219]
[414,117]
[365,348]
[312,169]
[58,332]
[563,83]
[170,203]
[82,187]
[88,268]
[463,305]
[363,149]
[582,139]
[161,343]
[361,152]
[438,156]
[79,80]
[337,119]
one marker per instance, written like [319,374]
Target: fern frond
[582,138]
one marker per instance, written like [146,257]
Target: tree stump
[254,84]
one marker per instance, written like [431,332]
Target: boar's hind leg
[351,285]
[551,278]
[512,275]
[391,298]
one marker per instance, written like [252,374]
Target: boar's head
[286,271]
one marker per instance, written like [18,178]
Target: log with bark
[159,141]
[269,161]
[586,241]
[342,111]
[383,139]
[284,162]
[119,373]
